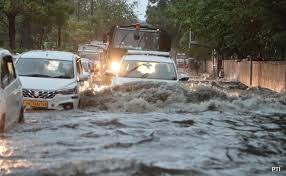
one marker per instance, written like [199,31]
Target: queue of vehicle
[54,79]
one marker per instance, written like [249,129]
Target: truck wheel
[2,123]
[21,116]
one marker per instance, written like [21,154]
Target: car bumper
[59,102]
[117,81]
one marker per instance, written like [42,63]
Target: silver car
[11,107]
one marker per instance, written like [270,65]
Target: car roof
[153,53]
[148,58]
[56,55]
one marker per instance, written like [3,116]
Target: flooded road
[205,128]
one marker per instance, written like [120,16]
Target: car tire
[2,123]
[21,116]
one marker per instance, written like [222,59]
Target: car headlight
[115,67]
[68,91]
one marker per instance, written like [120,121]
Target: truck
[121,39]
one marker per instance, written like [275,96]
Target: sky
[141,9]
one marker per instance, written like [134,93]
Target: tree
[61,11]
[64,23]
[108,13]
[159,15]
[242,27]
[11,9]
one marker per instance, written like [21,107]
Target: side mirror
[83,77]
[184,77]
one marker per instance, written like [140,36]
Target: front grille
[39,94]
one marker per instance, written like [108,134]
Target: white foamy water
[159,97]
[153,129]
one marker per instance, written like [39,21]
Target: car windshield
[139,40]
[148,70]
[47,68]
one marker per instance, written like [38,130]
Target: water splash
[163,97]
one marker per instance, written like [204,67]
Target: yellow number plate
[38,104]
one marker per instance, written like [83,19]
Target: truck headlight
[68,91]
[115,67]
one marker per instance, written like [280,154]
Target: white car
[51,79]
[86,64]
[138,66]
[11,107]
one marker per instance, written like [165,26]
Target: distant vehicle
[11,107]
[87,66]
[140,66]
[51,79]
[94,52]
[182,60]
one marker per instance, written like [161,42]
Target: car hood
[120,80]
[47,83]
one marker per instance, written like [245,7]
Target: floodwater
[200,128]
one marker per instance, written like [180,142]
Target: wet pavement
[205,128]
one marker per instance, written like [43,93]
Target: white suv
[138,66]
[11,108]
[51,79]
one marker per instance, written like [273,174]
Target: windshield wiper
[141,39]
[123,39]
[145,75]
[63,77]
[37,75]
[132,70]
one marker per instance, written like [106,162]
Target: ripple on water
[174,131]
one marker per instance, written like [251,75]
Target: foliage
[60,23]
[109,13]
[243,27]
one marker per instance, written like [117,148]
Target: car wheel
[2,123]
[21,116]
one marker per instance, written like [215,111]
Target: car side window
[79,67]
[1,85]
[11,69]
[4,74]
[8,74]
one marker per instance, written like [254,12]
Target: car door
[2,97]
[79,71]
[12,89]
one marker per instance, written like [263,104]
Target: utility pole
[190,40]
[250,72]
[78,10]
[91,7]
